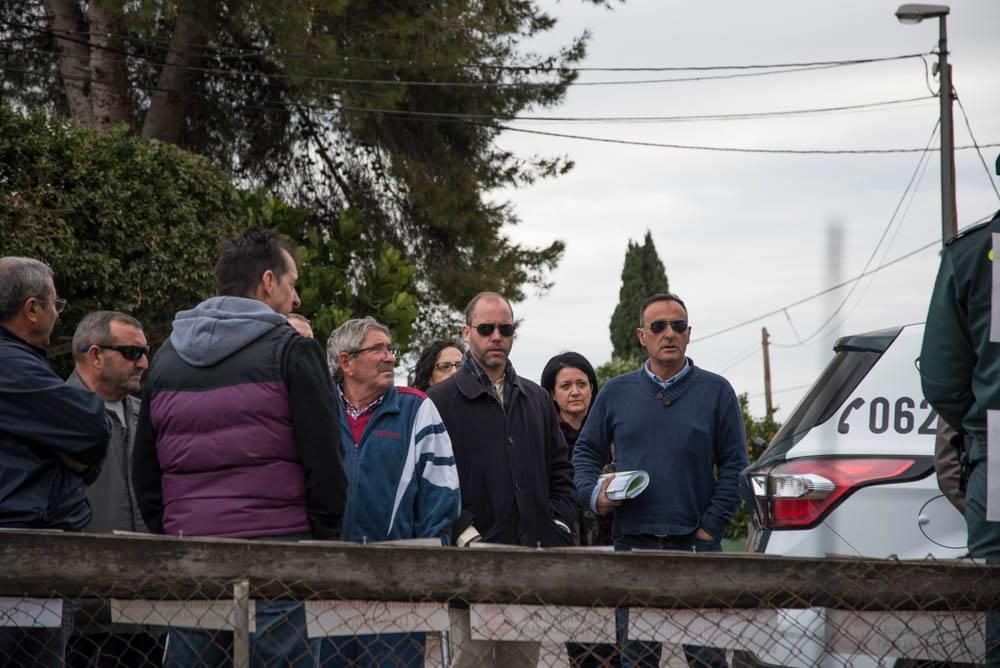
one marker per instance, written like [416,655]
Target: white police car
[851,473]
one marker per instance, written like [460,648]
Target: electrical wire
[742,357]
[730,149]
[885,253]
[832,288]
[782,390]
[445,84]
[250,53]
[644,119]
[816,295]
[910,187]
[594,119]
[280,105]
[989,174]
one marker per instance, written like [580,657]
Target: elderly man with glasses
[402,481]
[683,426]
[52,436]
[513,462]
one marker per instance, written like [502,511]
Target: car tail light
[798,494]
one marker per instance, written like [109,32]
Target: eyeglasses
[131,353]
[58,301]
[486,329]
[445,367]
[679,326]
[379,349]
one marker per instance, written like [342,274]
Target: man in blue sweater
[683,425]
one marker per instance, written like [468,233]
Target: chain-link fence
[85,600]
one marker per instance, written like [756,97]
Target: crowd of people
[242,427]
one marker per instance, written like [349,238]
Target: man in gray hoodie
[238,408]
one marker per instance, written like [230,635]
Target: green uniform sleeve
[947,356]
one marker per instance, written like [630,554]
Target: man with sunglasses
[238,409]
[109,358]
[52,436]
[683,426]
[513,463]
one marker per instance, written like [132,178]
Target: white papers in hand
[626,484]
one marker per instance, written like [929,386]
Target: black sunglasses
[679,326]
[131,353]
[486,328]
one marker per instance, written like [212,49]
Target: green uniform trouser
[984,543]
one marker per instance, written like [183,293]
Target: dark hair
[659,297]
[569,360]
[425,365]
[245,258]
[471,306]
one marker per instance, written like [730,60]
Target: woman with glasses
[571,381]
[439,361]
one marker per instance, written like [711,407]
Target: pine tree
[642,275]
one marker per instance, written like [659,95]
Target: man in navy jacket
[52,436]
[683,426]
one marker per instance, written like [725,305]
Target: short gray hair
[21,278]
[347,338]
[95,330]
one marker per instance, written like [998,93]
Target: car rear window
[826,395]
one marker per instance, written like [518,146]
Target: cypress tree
[642,275]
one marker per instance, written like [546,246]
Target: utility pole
[915,13]
[765,342]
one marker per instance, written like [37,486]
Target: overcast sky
[741,235]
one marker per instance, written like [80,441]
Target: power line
[247,53]
[743,357]
[587,119]
[731,149]
[497,126]
[644,119]
[830,289]
[911,185]
[820,293]
[782,390]
[447,84]
[989,175]
[471,119]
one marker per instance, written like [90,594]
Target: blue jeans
[385,650]
[646,654]
[280,640]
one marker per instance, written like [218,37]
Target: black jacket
[41,416]
[513,465]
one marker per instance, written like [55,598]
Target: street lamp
[915,13]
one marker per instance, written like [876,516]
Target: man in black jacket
[513,464]
[52,436]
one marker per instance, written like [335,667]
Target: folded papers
[626,484]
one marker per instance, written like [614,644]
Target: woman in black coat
[571,381]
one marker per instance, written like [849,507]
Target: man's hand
[604,504]
[72,464]
[701,534]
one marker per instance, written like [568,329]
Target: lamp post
[915,13]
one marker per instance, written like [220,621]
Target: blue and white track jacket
[402,477]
